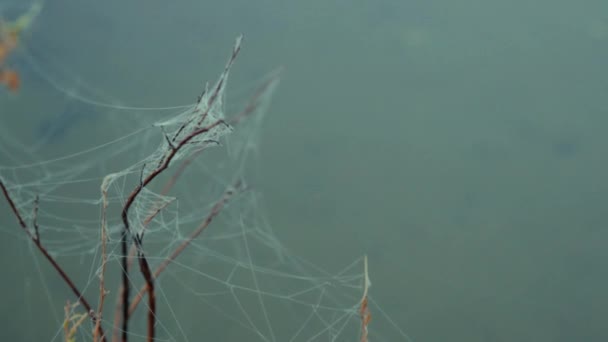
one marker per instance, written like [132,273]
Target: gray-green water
[461,145]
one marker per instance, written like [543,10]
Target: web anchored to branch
[154,273]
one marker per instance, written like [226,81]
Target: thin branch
[364,312]
[254,102]
[250,108]
[35,218]
[104,260]
[147,274]
[126,233]
[221,82]
[124,247]
[215,210]
[80,297]
[117,314]
[165,190]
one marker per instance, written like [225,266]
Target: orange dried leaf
[11,79]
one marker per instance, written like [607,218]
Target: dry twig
[175,144]
[36,240]
[364,312]
[173,149]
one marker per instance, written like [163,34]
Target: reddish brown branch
[254,102]
[117,314]
[124,247]
[175,145]
[35,218]
[364,313]
[48,257]
[163,165]
[127,232]
[250,108]
[215,210]
[145,269]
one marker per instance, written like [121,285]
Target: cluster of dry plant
[196,129]
[132,246]
[10,32]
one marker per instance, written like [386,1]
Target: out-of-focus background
[460,145]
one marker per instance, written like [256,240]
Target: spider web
[71,155]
